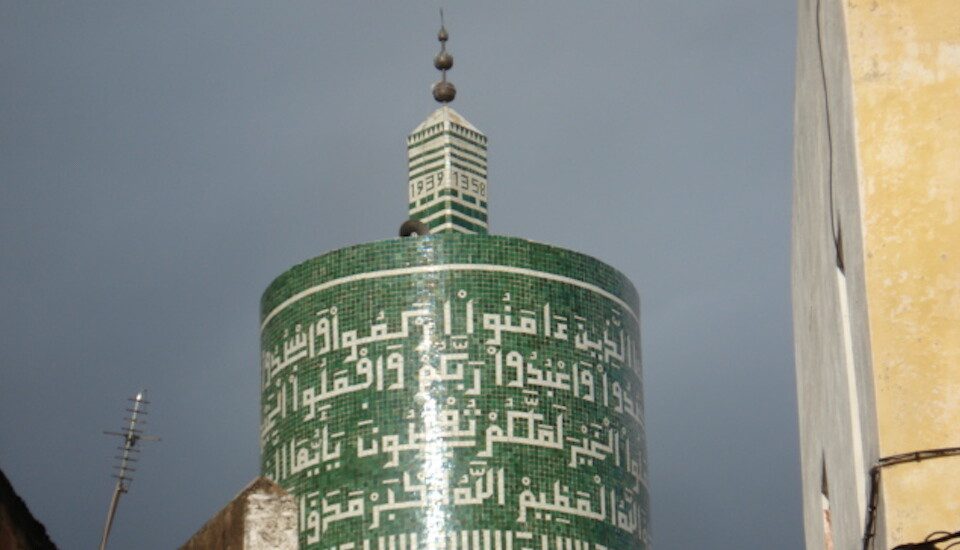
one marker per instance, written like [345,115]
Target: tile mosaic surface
[467,392]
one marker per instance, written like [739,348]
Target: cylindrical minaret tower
[453,390]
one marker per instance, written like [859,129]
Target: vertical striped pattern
[475,539]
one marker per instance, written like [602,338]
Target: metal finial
[442,36]
[443,91]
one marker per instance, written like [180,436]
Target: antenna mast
[128,449]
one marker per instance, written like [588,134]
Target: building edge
[834,373]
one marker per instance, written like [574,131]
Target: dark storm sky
[161,162]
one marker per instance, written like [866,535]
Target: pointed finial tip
[442,35]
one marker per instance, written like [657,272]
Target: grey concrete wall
[262,517]
[834,374]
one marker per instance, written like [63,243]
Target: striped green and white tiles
[447,174]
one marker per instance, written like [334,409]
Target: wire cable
[893,460]
[929,542]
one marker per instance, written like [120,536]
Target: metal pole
[131,437]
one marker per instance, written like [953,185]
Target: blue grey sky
[161,162]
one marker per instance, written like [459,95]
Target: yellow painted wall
[905,64]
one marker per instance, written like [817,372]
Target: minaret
[455,390]
[447,162]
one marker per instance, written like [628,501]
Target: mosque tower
[447,163]
[452,389]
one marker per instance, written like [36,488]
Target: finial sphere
[442,36]
[444,92]
[443,61]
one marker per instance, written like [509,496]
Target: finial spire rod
[443,91]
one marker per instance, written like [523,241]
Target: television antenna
[132,436]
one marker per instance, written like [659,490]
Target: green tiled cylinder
[466,392]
